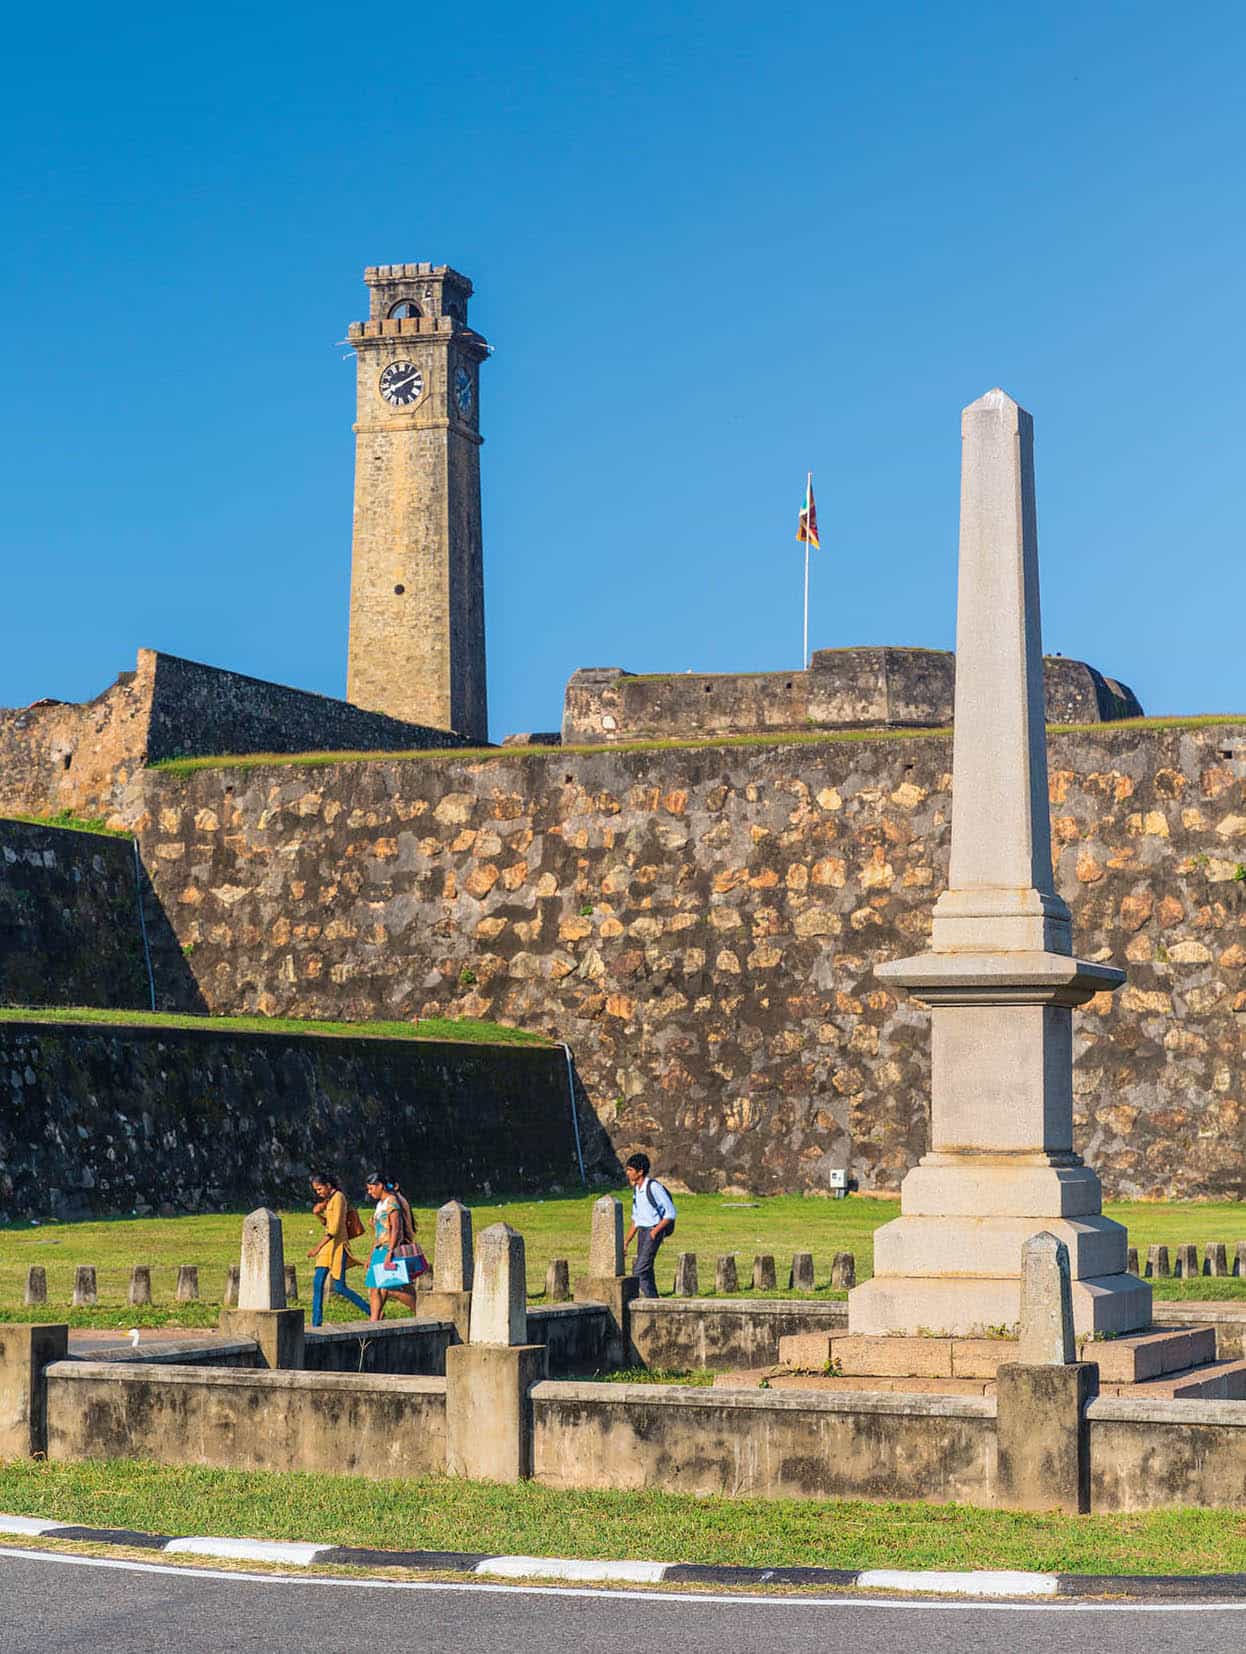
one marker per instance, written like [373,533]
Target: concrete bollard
[686,1276]
[488,1410]
[1046,1336]
[230,1299]
[1215,1258]
[36,1285]
[606,1283]
[262,1313]
[1239,1258]
[557,1281]
[764,1279]
[1132,1266]
[1157,1263]
[140,1284]
[605,1245]
[1187,1262]
[187,1283]
[292,1284]
[1043,1458]
[448,1296]
[85,1293]
[726,1278]
[453,1255]
[801,1277]
[844,1271]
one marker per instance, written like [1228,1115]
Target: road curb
[996,1583]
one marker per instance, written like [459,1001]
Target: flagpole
[804,651]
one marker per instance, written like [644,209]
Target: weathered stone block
[844,1271]
[279,1334]
[140,1284]
[499,1311]
[488,1409]
[85,1293]
[800,1277]
[36,1285]
[686,1276]
[764,1278]
[1043,1449]
[1157,1263]
[454,1257]
[25,1353]
[187,1291]
[261,1272]
[557,1281]
[726,1277]
[605,1245]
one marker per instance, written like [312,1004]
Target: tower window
[404,307]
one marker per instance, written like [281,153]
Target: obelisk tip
[994,401]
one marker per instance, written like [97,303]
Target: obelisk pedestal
[1000,979]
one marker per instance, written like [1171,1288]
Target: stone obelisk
[1000,980]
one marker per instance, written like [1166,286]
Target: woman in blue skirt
[396,1259]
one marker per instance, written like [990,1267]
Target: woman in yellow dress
[331,1255]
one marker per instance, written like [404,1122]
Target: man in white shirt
[653,1218]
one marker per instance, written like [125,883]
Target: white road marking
[988,1583]
[565,1567]
[250,1550]
[635,1597]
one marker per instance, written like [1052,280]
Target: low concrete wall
[773,1444]
[684,1333]
[350,1425]
[575,1336]
[1146,1455]
[407,1348]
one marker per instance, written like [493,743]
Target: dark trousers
[647,1244]
[338,1285]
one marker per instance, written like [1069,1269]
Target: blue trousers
[338,1285]
[646,1256]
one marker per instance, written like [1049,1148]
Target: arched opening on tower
[404,307]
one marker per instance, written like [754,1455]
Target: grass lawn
[556,1226]
[435,1513]
[463,1030]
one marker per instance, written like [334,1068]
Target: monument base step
[1130,1359]
[962,1306]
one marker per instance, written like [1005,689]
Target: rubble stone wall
[702,923]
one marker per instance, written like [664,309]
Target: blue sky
[713,245]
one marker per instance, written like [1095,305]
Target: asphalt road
[50,1604]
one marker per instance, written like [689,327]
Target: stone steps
[1130,1359]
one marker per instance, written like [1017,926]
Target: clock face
[402,383]
[463,393]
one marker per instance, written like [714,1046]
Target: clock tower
[417,608]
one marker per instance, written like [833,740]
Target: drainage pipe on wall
[575,1113]
[142,923]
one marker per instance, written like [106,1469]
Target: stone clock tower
[417,609]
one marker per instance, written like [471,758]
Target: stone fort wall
[81,756]
[843,688]
[701,925]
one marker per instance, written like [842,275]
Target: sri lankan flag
[807,524]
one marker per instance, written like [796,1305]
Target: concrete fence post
[292,1284]
[1042,1438]
[230,1299]
[488,1380]
[85,1293]
[140,1284]
[686,1283]
[726,1276]
[1187,1262]
[764,1278]
[1215,1258]
[36,1285]
[557,1281]
[1132,1266]
[801,1277]
[844,1271]
[262,1314]
[606,1283]
[1239,1258]
[187,1283]
[1157,1263]
[450,1298]
[26,1351]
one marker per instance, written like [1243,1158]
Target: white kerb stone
[1046,1332]
[261,1275]
[499,1312]
[453,1259]
[605,1246]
